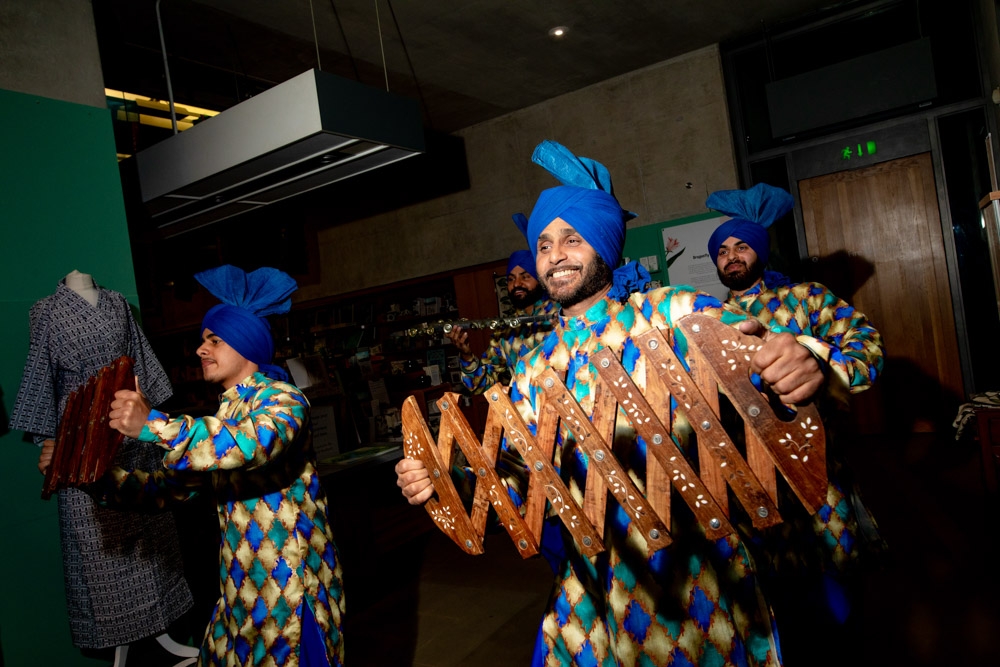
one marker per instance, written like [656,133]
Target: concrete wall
[49,48]
[657,130]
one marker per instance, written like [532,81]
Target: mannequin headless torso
[83,284]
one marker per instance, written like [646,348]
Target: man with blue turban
[281,590]
[695,602]
[812,561]
[535,312]
[852,348]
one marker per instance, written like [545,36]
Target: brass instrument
[444,327]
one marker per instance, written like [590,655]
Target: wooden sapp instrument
[718,357]
[85,444]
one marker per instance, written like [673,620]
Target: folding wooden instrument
[718,357]
[85,444]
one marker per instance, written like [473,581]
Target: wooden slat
[446,510]
[798,447]
[63,445]
[657,478]
[602,461]
[122,371]
[84,423]
[96,426]
[595,497]
[713,475]
[492,436]
[490,490]
[548,425]
[569,512]
[717,453]
[646,423]
[761,465]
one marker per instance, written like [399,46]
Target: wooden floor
[935,603]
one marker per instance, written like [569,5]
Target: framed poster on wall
[686,255]
[675,252]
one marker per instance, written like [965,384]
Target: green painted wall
[61,209]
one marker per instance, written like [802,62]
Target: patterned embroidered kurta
[808,546]
[280,574]
[506,347]
[853,349]
[695,602]
[122,570]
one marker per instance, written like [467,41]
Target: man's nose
[556,254]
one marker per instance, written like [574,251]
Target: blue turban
[586,202]
[525,260]
[246,299]
[752,212]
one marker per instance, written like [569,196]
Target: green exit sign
[858,150]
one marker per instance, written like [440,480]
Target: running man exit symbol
[868,147]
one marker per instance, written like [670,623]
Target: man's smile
[561,273]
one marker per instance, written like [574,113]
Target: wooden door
[874,237]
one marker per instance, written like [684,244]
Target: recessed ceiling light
[558,31]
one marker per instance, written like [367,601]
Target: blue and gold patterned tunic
[838,333]
[280,574]
[506,346]
[851,346]
[695,602]
[811,555]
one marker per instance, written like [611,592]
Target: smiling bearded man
[535,312]
[697,600]
[737,265]
[810,563]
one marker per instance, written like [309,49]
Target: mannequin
[121,569]
[83,284]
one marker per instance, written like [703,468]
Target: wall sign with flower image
[672,250]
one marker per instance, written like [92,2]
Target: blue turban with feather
[752,212]
[586,201]
[247,298]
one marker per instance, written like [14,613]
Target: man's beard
[742,279]
[596,276]
[530,297]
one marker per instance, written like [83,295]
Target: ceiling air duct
[302,134]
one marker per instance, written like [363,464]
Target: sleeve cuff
[836,382]
[151,429]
